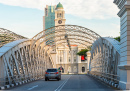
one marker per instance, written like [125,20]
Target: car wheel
[45,79]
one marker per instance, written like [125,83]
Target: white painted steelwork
[7,36]
[26,59]
[105,56]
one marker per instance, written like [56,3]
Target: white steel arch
[29,58]
[105,60]
[7,36]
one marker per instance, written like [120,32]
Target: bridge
[23,60]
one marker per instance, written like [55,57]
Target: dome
[59,6]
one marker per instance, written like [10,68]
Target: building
[65,60]
[70,62]
[54,16]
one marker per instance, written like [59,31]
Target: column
[88,59]
[124,63]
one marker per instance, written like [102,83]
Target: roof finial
[59,5]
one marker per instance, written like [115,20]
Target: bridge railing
[109,77]
[17,79]
[104,61]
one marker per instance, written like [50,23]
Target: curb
[7,86]
[2,88]
[18,83]
[110,83]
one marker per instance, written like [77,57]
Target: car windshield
[51,70]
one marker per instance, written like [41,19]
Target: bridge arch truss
[105,56]
[29,58]
[7,36]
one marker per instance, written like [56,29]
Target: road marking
[62,85]
[33,87]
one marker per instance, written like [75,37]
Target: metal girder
[62,31]
[65,27]
[38,57]
[7,36]
[104,63]
[67,40]
[78,37]
[70,40]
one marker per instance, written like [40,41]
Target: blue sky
[26,18]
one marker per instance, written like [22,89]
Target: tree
[117,38]
[82,52]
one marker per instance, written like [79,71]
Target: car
[52,73]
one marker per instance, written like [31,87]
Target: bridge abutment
[124,64]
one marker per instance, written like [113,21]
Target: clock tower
[59,15]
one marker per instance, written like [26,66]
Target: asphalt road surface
[67,83]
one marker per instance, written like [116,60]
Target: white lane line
[33,87]
[62,85]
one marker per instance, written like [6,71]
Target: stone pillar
[124,64]
[88,59]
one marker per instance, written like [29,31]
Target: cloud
[88,9]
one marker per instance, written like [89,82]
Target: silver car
[52,73]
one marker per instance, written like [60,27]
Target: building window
[60,59]
[46,11]
[83,69]
[59,15]
[69,59]
[74,59]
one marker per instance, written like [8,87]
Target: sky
[25,17]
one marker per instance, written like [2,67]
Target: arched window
[60,15]
[69,59]
[60,59]
[83,69]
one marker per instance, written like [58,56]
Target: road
[67,83]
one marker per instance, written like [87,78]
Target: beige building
[70,61]
[65,60]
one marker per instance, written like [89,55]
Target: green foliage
[117,38]
[89,48]
[82,52]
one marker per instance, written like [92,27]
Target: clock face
[59,21]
